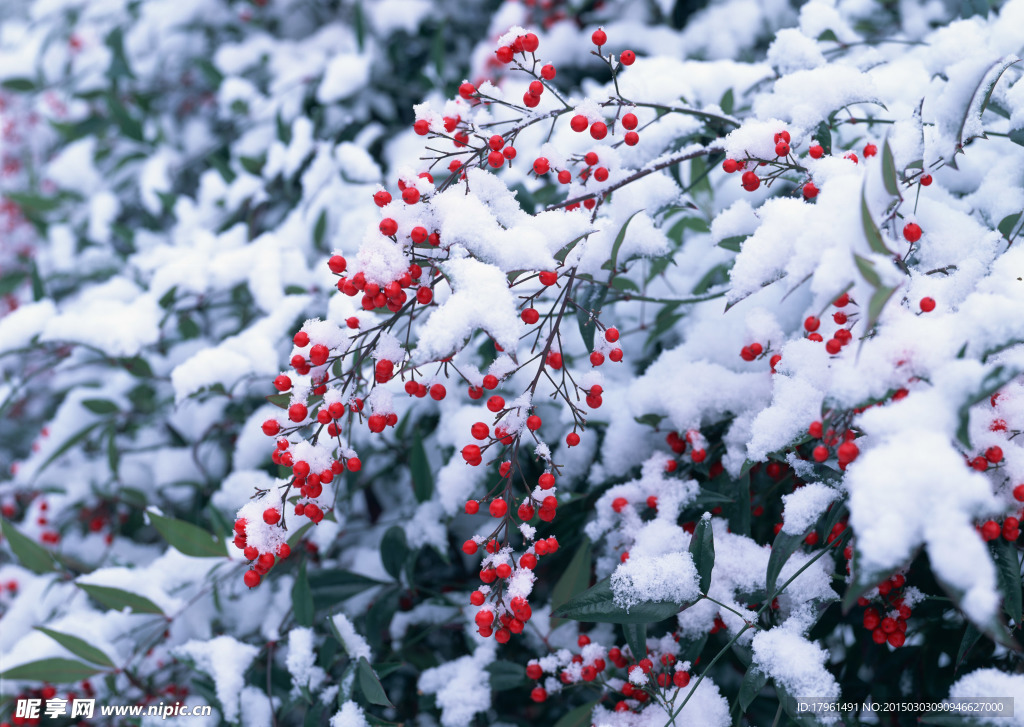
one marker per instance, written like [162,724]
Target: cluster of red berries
[1009,529]
[892,626]
[845,447]
[842,335]
[678,444]
[261,562]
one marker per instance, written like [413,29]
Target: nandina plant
[651,390]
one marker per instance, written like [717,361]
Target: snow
[354,643]
[986,684]
[350,715]
[461,686]
[798,665]
[226,660]
[669,577]
[803,507]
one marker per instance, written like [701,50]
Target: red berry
[548,72]
[466,90]
[630,122]
[495,159]
[421,127]
[297,413]
[599,130]
[271,516]
[631,138]
[816,151]
[927,304]
[472,507]
[596,358]
[382,198]
[820,453]
[337,264]
[815,430]
[469,547]
[388,227]
[548,277]
[811,323]
[301,339]
[912,232]
[991,530]
[619,504]
[533,423]
[1018,493]
[842,301]
[579,123]
[750,181]
[627,57]
[615,354]
[926,180]
[251,578]
[599,37]
[498,508]
[496,403]
[539,694]
[729,166]
[994,454]
[541,165]
[870,150]
[782,149]
[810,191]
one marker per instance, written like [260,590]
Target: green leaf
[302,598]
[971,635]
[733,244]
[889,175]
[332,586]
[591,299]
[651,420]
[10,282]
[619,239]
[702,548]
[394,550]
[78,646]
[506,675]
[871,230]
[564,252]
[1004,554]
[319,230]
[753,682]
[188,538]
[636,637]
[100,406]
[827,35]
[282,401]
[728,102]
[986,85]
[824,137]
[578,717]
[622,284]
[137,366]
[597,604]
[38,290]
[1016,136]
[55,671]
[1008,223]
[29,553]
[18,85]
[878,300]
[784,546]
[129,126]
[118,600]
[574,579]
[419,469]
[370,684]
[118,61]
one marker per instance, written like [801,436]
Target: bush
[386,362]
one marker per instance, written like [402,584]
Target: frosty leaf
[783,547]
[1004,555]
[889,175]
[18,85]
[100,406]
[370,684]
[753,682]
[302,599]
[578,717]
[1017,136]
[78,647]
[702,548]
[592,298]
[29,553]
[636,637]
[574,579]
[1007,224]
[394,550]
[878,300]
[617,245]
[650,420]
[985,86]
[51,670]
[598,604]
[971,636]
[733,244]
[319,229]
[188,538]
[727,101]
[871,231]
[419,469]
[118,600]
[824,136]
[506,675]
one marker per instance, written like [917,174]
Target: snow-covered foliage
[375,362]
